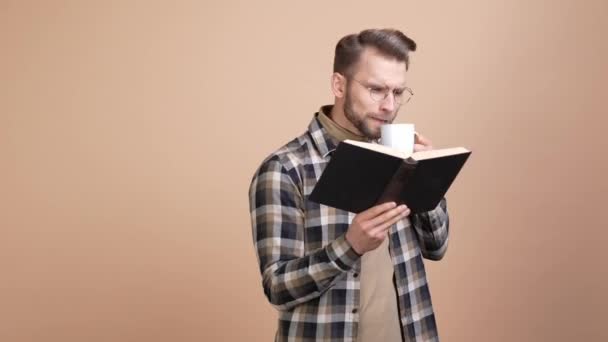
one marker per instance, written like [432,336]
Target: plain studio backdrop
[129,132]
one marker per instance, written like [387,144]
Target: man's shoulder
[289,156]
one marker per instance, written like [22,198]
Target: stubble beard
[359,121]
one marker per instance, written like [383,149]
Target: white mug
[398,136]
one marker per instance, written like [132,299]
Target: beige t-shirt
[379,315]
[378,312]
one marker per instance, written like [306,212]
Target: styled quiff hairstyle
[390,42]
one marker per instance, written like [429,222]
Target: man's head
[369,79]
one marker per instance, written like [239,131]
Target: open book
[360,175]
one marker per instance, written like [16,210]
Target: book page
[378,148]
[422,155]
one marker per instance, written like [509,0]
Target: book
[361,175]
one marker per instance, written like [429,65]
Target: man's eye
[377,90]
[398,92]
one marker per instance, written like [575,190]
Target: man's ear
[338,84]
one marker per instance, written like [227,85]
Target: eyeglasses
[380,94]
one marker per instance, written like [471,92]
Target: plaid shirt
[309,270]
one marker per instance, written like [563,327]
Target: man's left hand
[421,143]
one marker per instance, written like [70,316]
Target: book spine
[394,189]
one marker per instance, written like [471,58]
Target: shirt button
[355,310]
[355,274]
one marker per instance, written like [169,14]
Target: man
[331,274]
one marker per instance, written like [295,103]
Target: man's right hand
[368,229]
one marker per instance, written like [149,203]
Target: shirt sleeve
[432,229]
[289,276]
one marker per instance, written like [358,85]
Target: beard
[360,121]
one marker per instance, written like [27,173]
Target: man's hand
[368,229]
[421,143]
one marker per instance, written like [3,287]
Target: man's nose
[388,103]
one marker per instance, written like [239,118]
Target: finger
[420,139]
[380,219]
[383,228]
[418,147]
[376,210]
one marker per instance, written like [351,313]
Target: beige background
[129,131]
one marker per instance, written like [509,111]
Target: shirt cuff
[341,253]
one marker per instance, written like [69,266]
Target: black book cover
[357,178]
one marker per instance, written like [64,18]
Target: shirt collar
[326,143]
[337,132]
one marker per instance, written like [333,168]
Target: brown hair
[390,42]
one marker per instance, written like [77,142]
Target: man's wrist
[352,246]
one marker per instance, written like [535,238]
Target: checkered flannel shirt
[309,270]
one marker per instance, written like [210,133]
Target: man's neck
[337,115]
[337,132]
